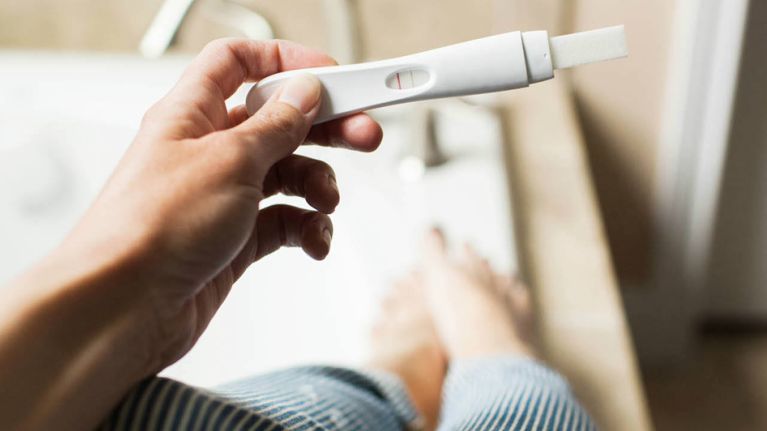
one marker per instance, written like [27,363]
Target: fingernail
[302,92]
[327,236]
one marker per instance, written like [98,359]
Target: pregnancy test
[497,63]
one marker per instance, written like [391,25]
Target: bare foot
[476,312]
[405,342]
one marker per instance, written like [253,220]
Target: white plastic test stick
[497,63]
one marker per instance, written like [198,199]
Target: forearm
[71,342]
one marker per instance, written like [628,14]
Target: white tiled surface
[65,120]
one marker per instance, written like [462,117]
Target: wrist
[98,304]
[73,341]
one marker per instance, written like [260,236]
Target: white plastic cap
[538,56]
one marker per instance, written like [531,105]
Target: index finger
[225,64]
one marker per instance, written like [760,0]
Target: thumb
[281,125]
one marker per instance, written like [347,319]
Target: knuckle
[281,124]
[324,168]
[318,219]
[221,44]
[317,168]
[152,113]
[283,120]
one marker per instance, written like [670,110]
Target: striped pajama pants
[503,393]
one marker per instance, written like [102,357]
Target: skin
[405,342]
[451,308]
[136,282]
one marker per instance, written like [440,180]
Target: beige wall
[117,25]
[622,107]
[74,24]
[386,30]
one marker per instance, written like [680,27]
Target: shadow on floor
[723,387]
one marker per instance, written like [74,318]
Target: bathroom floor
[724,387]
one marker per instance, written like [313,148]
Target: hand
[181,213]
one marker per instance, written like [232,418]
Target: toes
[470,252]
[400,298]
[520,303]
[404,289]
[389,303]
[378,329]
[401,287]
[434,246]
[437,236]
[471,257]
[477,266]
[520,297]
[514,292]
[505,282]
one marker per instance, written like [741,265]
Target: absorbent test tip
[588,47]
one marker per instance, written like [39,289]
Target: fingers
[237,115]
[357,132]
[225,64]
[286,226]
[197,103]
[434,246]
[281,125]
[308,178]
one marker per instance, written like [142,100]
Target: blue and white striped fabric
[483,394]
[509,393]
